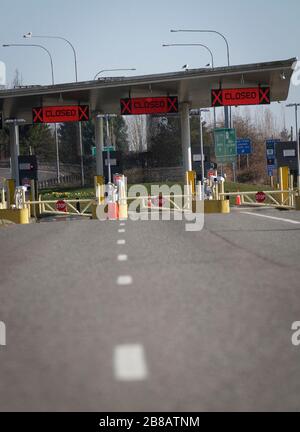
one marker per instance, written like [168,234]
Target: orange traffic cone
[238,201]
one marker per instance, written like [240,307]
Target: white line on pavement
[121,242]
[130,363]
[272,217]
[122,258]
[124,280]
[121,231]
[122,224]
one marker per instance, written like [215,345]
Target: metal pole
[30,35]
[186,137]
[14,151]
[57,153]
[202,156]
[53,82]
[99,144]
[298,147]
[108,150]
[226,110]
[81,154]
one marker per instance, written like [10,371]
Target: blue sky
[117,34]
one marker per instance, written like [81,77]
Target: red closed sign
[241,96]
[61,114]
[261,197]
[151,105]
[61,206]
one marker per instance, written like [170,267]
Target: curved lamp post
[52,73]
[30,35]
[212,62]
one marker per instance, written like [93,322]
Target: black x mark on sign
[83,113]
[217,97]
[37,114]
[173,105]
[264,96]
[126,106]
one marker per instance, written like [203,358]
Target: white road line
[122,224]
[272,217]
[121,242]
[124,280]
[122,258]
[121,231]
[130,363]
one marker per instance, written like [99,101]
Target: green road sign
[225,145]
[94,150]
[110,149]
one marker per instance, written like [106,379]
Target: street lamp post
[53,82]
[296,105]
[212,62]
[112,70]
[30,35]
[202,150]
[227,120]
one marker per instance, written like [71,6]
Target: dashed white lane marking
[122,258]
[121,231]
[124,280]
[122,224]
[130,363]
[121,242]
[272,217]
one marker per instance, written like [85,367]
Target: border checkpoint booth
[193,89]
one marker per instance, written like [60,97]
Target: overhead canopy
[193,86]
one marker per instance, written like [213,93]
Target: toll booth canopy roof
[193,86]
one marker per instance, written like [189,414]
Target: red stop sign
[261,197]
[61,206]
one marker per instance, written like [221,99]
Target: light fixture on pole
[227,120]
[113,70]
[296,106]
[30,35]
[212,61]
[53,82]
[202,150]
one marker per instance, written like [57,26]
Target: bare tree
[137,133]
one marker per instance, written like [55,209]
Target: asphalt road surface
[144,316]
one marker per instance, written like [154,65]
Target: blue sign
[271,154]
[244,146]
[270,171]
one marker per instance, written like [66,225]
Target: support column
[14,151]
[99,141]
[186,137]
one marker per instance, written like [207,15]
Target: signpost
[225,145]
[225,148]
[152,105]
[244,148]
[61,114]
[271,156]
[241,96]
